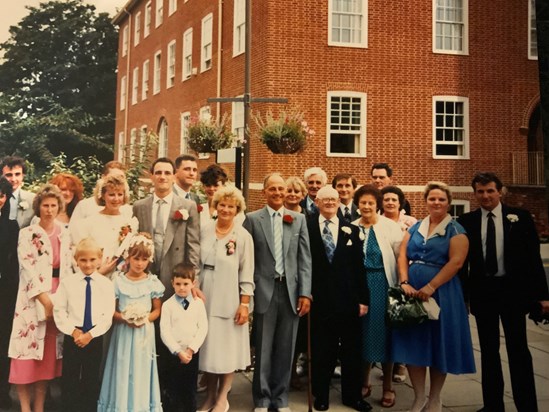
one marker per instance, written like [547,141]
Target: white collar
[440,230]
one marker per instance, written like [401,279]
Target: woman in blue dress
[431,254]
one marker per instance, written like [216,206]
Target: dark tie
[188,196]
[88,307]
[491,254]
[312,208]
[328,239]
[185,303]
[347,214]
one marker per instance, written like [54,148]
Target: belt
[280,279]
[55,273]
[422,262]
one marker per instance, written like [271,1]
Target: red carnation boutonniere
[199,208]
[181,214]
[288,219]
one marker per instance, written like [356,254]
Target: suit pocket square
[349,242]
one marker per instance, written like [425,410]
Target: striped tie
[277,232]
[328,239]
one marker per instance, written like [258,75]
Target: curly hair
[46,191]
[368,190]
[72,183]
[230,192]
[213,174]
[108,182]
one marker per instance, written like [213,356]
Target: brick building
[438,89]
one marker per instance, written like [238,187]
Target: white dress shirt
[167,207]
[498,223]
[333,226]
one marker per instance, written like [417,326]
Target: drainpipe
[219,57]
[128,55]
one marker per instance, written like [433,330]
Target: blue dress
[130,380]
[444,344]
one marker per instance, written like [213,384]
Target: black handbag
[403,310]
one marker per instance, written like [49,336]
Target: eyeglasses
[328,200]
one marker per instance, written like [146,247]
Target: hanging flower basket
[207,135]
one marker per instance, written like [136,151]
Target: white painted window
[206,43]
[157,72]
[239,27]
[459,207]
[183,144]
[163,139]
[145,80]
[450,26]
[142,142]
[123,92]
[450,127]
[237,120]
[133,142]
[159,14]
[148,18]
[170,78]
[346,124]
[121,144]
[137,29]
[532,31]
[125,32]
[348,23]
[187,54]
[172,7]
[135,85]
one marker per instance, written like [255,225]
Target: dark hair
[74,184]
[162,160]
[368,190]
[184,271]
[395,190]
[382,166]
[12,161]
[5,189]
[182,158]
[113,164]
[486,177]
[346,176]
[213,174]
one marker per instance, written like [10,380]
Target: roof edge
[117,19]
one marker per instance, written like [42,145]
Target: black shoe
[361,406]
[321,405]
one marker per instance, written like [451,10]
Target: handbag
[403,310]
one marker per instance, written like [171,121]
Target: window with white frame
[450,26]
[450,127]
[163,139]
[187,54]
[145,81]
[135,85]
[121,143]
[348,23]
[147,20]
[159,15]
[238,119]
[532,31]
[206,43]
[137,29]
[172,7]
[170,78]
[459,207]
[239,27]
[133,142]
[142,142]
[183,143]
[123,91]
[125,32]
[157,72]
[346,124]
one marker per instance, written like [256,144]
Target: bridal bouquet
[136,313]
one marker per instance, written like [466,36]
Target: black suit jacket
[525,276]
[339,286]
[354,212]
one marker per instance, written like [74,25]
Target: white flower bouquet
[136,313]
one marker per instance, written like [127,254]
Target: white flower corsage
[349,242]
[181,214]
[346,229]
[23,205]
[361,236]
[136,313]
[512,218]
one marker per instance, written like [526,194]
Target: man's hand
[303,306]
[362,310]
[83,340]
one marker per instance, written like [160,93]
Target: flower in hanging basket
[286,134]
[209,135]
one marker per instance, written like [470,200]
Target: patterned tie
[491,254]
[159,232]
[312,208]
[277,232]
[185,303]
[87,307]
[328,239]
[347,214]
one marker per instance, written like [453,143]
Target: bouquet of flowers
[209,135]
[136,314]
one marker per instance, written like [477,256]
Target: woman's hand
[425,292]
[241,315]
[107,266]
[44,299]
[409,290]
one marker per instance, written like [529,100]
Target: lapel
[265,220]
[147,215]
[287,232]
[315,238]
[172,225]
[506,228]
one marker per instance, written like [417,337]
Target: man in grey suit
[14,169]
[186,171]
[282,277]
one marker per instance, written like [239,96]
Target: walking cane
[309,383]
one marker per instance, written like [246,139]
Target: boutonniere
[124,231]
[37,242]
[288,219]
[512,218]
[181,214]
[214,215]
[361,236]
[199,208]
[346,229]
[23,205]
[230,246]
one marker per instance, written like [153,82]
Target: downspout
[128,55]
[219,58]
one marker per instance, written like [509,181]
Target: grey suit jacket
[182,238]
[179,192]
[24,217]
[297,257]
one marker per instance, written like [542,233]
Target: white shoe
[286,409]
[261,409]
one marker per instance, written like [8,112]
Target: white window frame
[163,138]
[121,144]
[172,7]
[125,35]
[133,141]
[450,25]
[459,202]
[142,141]
[137,29]
[159,13]
[360,134]
[335,17]
[187,70]
[206,43]
[532,31]
[204,113]
[237,119]
[123,92]
[239,27]
[185,119]
[145,80]
[135,85]
[170,74]
[464,128]
[157,74]
[148,19]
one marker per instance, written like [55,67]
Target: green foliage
[210,135]
[140,158]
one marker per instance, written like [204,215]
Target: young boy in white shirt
[183,328]
[83,310]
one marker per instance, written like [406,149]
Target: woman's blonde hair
[440,186]
[296,183]
[230,192]
[108,182]
[48,190]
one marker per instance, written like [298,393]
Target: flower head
[346,229]
[231,247]
[288,219]
[23,205]
[181,214]
[512,218]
